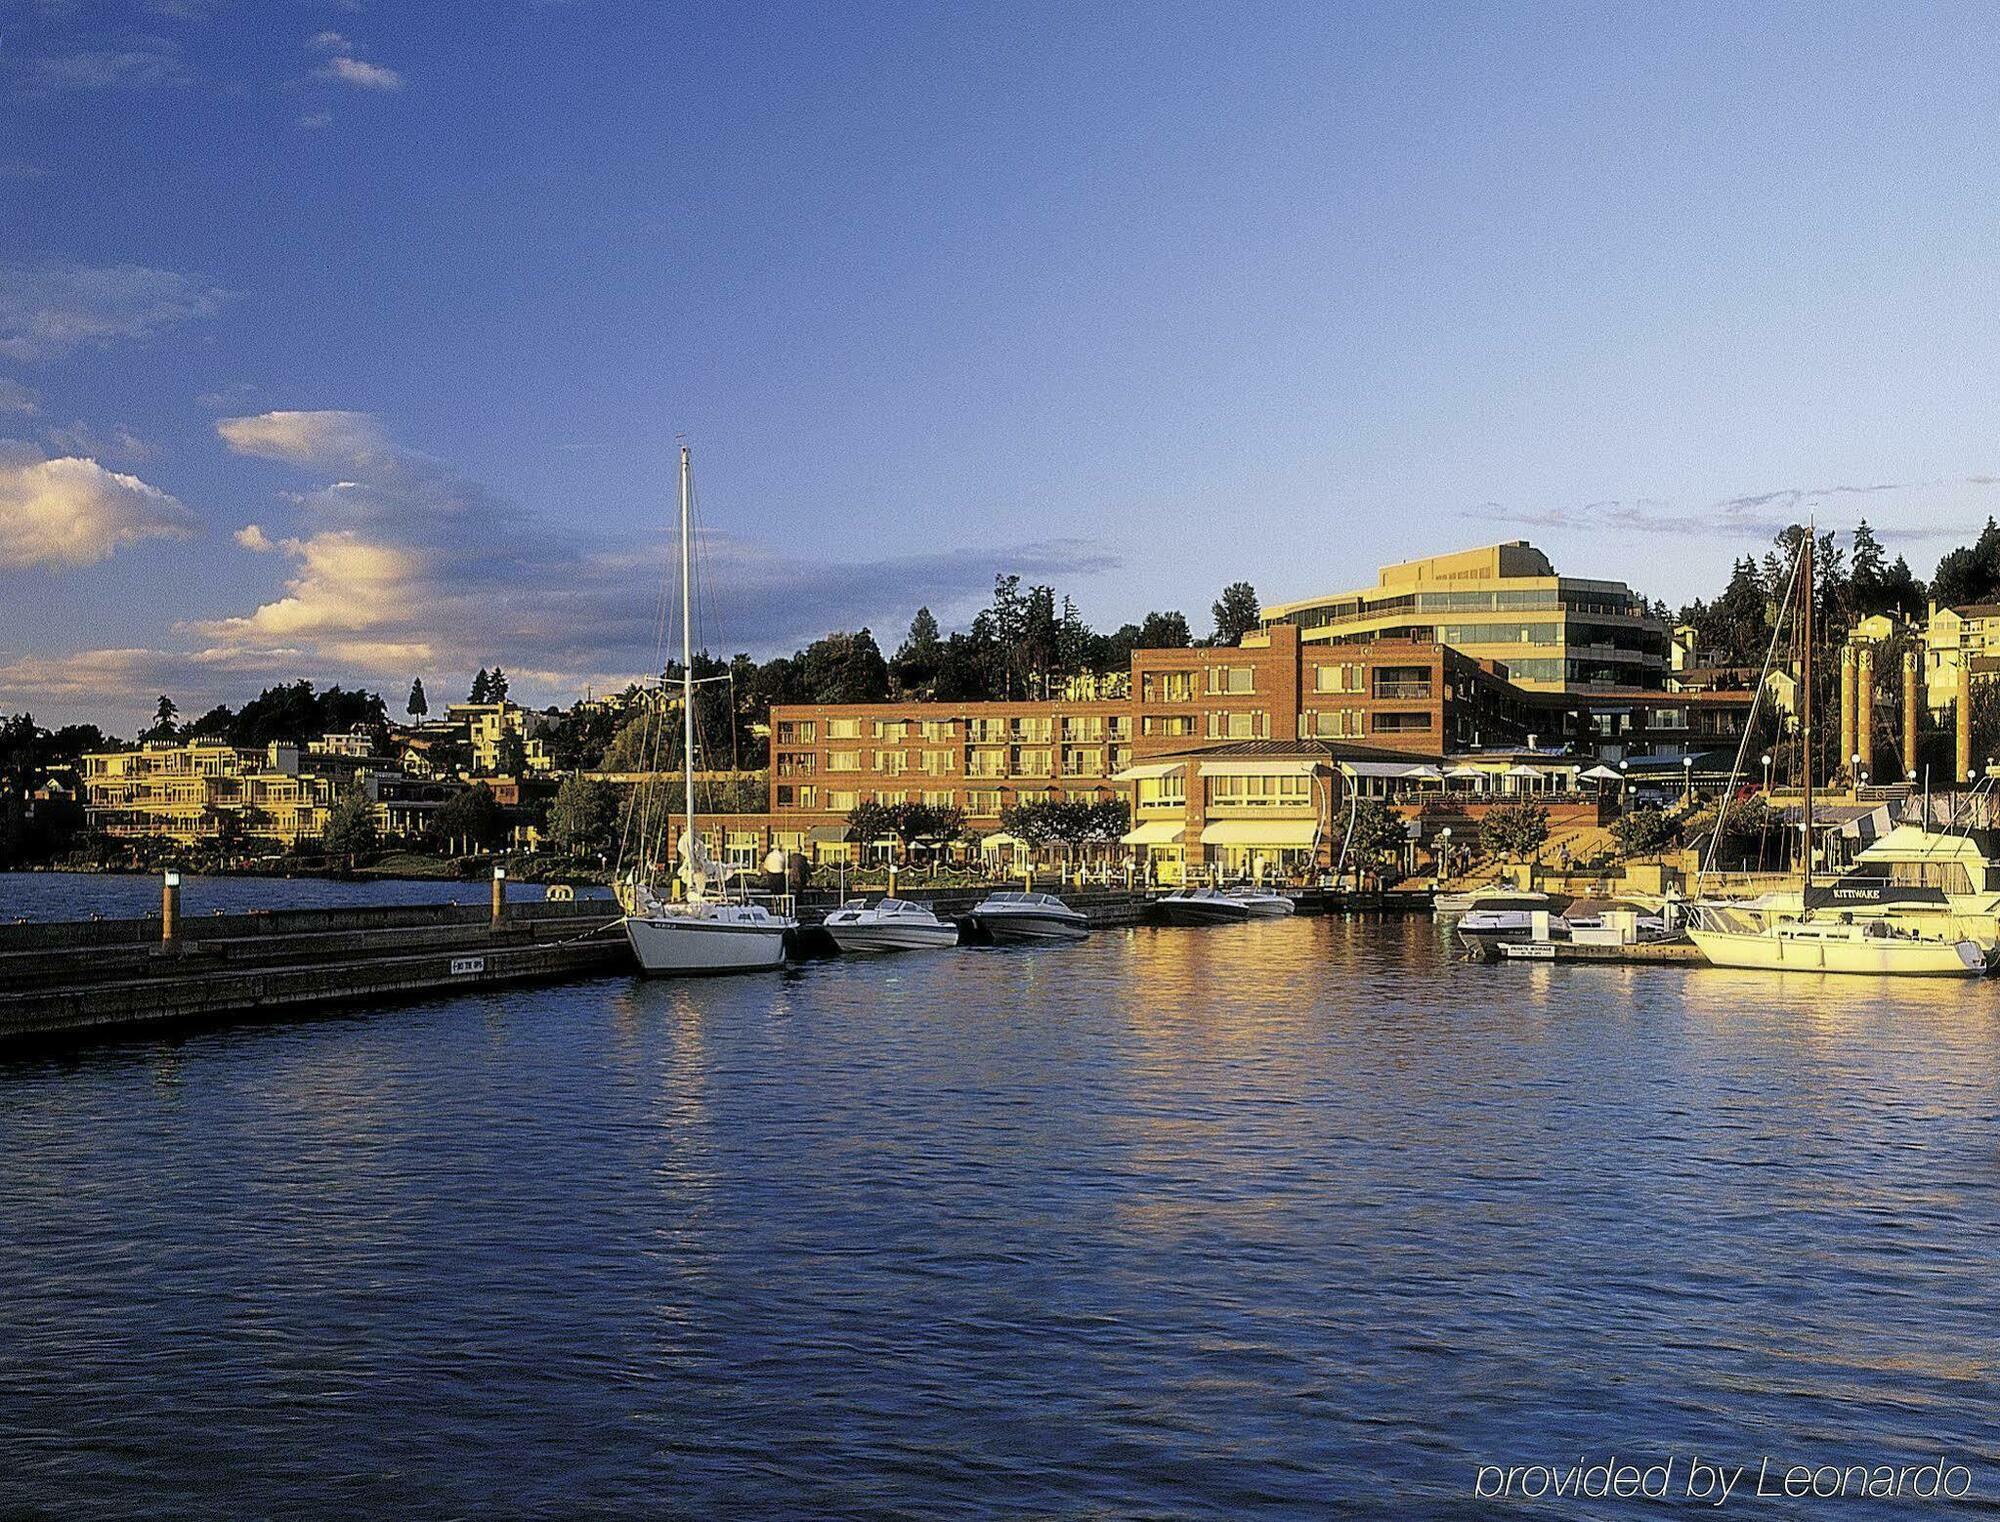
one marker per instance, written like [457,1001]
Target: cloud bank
[63,513]
[48,309]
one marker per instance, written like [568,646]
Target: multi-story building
[488,726]
[192,793]
[1503,605]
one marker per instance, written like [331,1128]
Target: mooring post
[170,907]
[499,896]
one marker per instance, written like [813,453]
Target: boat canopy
[1154,832]
[1289,833]
[1910,842]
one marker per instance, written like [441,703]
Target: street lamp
[1767,773]
[1687,779]
[1854,765]
[1444,855]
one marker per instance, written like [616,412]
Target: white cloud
[79,438]
[151,63]
[329,438]
[361,74]
[329,40]
[313,121]
[69,512]
[48,309]
[253,538]
[17,398]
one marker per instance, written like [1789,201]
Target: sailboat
[1747,935]
[704,931]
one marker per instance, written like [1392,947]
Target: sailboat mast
[687,658]
[1806,672]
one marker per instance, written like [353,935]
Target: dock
[75,977]
[1655,952]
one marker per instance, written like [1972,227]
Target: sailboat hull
[1865,955]
[687,945]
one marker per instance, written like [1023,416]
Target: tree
[471,819]
[1165,631]
[1236,612]
[1370,837]
[164,715]
[1644,831]
[419,705]
[482,688]
[583,819]
[350,826]
[1971,574]
[916,663]
[510,755]
[496,686]
[844,668]
[1519,830]
[1749,828]
[869,821]
[912,822]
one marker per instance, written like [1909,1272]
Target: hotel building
[1503,605]
[185,793]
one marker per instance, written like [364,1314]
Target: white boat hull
[1884,956]
[872,938]
[1274,908]
[688,945]
[1182,911]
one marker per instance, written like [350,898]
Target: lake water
[121,895]
[1300,1219]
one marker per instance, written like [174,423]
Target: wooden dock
[76,977]
[1653,952]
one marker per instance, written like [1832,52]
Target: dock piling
[170,906]
[499,896]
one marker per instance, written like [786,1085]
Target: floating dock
[76,977]
[1568,951]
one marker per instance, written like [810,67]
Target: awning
[1294,834]
[827,834]
[1154,832]
[996,840]
[1391,769]
[1146,771]
[1289,767]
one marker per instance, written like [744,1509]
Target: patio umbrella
[1602,774]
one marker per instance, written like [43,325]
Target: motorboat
[891,924]
[1203,906]
[1495,897]
[1842,944]
[1029,917]
[702,930]
[1265,904]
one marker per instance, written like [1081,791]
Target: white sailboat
[1744,935]
[703,932]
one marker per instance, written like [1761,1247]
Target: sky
[354,340]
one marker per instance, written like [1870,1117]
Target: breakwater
[74,976]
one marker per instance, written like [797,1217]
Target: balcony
[1402,689]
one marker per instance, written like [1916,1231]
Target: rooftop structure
[1504,604]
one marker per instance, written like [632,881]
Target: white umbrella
[1601,774]
[1519,770]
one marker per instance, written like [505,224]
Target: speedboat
[1029,917]
[1203,906]
[1492,896]
[893,924]
[1264,904]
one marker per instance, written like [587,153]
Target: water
[1292,1219]
[120,895]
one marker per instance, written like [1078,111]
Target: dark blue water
[1275,1220]
[120,895]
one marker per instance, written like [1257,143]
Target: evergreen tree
[916,664]
[419,704]
[1165,631]
[1236,612]
[482,688]
[164,714]
[496,686]
[1969,574]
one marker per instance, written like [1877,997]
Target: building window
[982,803]
[890,761]
[1344,677]
[1168,792]
[797,731]
[938,800]
[1401,723]
[1177,724]
[1330,724]
[1402,682]
[895,731]
[935,729]
[986,763]
[1033,763]
[841,803]
[1259,792]
[1232,679]
[843,729]
[1239,726]
[938,763]
[843,760]
[1031,731]
[1166,686]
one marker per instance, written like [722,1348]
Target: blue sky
[1137,299]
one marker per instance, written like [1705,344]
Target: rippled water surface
[1297,1219]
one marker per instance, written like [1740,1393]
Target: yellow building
[186,793]
[487,726]
[1952,636]
[1502,603]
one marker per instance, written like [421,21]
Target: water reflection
[1247,1220]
